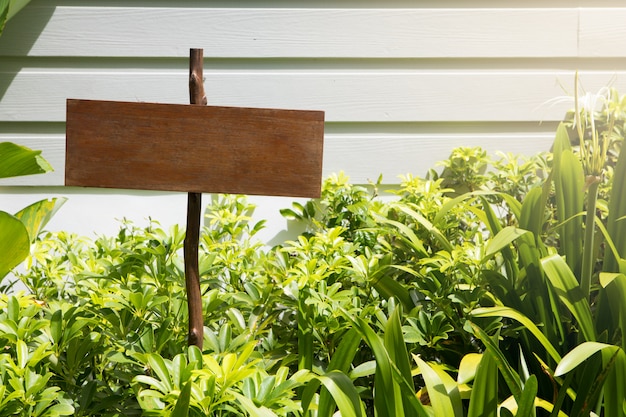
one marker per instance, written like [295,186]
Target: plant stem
[588,248]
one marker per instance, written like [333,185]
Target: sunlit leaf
[14,242]
[484,395]
[570,293]
[36,216]
[181,409]
[16,160]
[440,400]
[580,354]
[501,311]
[503,239]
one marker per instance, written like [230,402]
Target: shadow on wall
[18,38]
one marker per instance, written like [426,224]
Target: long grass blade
[340,361]
[484,396]
[501,311]
[569,292]
[439,399]
[526,405]
[616,226]
[569,185]
[511,378]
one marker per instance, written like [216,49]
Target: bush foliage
[492,287]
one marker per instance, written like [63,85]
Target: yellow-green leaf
[14,242]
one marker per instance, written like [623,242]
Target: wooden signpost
[195,149]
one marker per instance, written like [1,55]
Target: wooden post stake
[194,149]
[194,202]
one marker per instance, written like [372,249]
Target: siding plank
[602,32]
[44,30]
[386,96]
[363,157]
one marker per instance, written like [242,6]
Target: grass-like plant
[466,295]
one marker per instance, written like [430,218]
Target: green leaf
[580,354]
[340,361]
[615,387]
[468,367]
[570,293]
[16,160]
[61,410]
[16,6]
[181,409]
[426,225]
[502,240]
[36,216]
[526,405]
[14,243]
[343,392]
[157,364]
[56,326]
[484,395]
[440,398]
[532,213]
[511,378]
[501,311]
[615,224]
[4,13]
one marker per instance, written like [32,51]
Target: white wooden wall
[402,82]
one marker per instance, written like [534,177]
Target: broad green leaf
[343,392]
[340,388]
[526,405]
[56,326]
[484,395]
[533,210]
[437,392]
[467,367]
[14,243]
[570,293]
[248,406]
[36,216]
[16,160]
[580,354]
[502,240]
[510,405]
[181,409]
[60,410]
[501,311]
[22,353]
[157,365]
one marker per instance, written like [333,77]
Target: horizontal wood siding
[401,82]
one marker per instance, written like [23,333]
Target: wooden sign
[169,147]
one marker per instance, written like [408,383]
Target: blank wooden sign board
[188,148]
[194,148]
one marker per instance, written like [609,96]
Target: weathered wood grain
[193,148]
